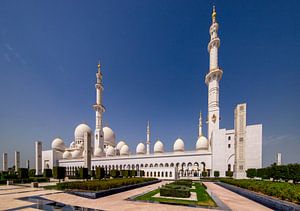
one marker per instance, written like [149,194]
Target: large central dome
[109,136]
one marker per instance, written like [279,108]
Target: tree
[204,174]
[216,173]
[47,173]
[294,172]
[59,172]
[23,173]
[229,174]
[83,173]
[251,173]
[100,173]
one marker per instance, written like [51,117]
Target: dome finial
[99,66]
[214,14]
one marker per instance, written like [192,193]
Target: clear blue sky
[154,60]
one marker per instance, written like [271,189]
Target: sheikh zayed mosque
[221,150]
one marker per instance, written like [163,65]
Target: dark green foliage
[281,190]
[133,173]
[100,173]
[47,173]
[93,173]
[115,173]
[142,173]
[59,172]
[204,174]
[175,191]
[294,172]
[229,173]
[251,173]
[96,185]
[22,173]
[125,173]
[83,173]
[31,173]
[183,182]
[216,173]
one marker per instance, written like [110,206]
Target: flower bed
[281,190]
[98,185]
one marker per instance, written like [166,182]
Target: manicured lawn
[282,190]
[203,198]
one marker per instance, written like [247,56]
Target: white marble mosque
[223,149]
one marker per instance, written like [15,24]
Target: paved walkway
[9,199]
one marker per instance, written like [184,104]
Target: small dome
[202,143]
[67,155]
[110,151]
[76,154]
[98,152]
[158,147]
[124,150]
[81,129]
[72,145]
[178,145]
[140,148]
[120,144]
[109,136]
[58,144]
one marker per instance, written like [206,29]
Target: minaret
[148,138]
[200,125]
[99,109]
[213,77]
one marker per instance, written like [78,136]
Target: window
[228,145]
[229,138]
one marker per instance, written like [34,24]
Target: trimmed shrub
[172,190]
[133,173]
[31,173]
[204,174]
[251,173]
[229,173]
[47,173]
[115,173]
[100,173]
[182,182]
[216,173]
[83,173]
[23,173]
[125,173]
[142,173]
[59,172]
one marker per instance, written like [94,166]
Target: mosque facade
[222,150]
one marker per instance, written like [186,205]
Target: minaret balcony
[99,108]
[214,42]
[215,74]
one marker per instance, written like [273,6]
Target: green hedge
[59,172]
[97,185]
[229,173]
[115,173]
[100,173]
[83,173]
[282,172]
[281,190]
[186,182]
[47,173]
[23,173]
[216,173]
[204,174]
[178,188]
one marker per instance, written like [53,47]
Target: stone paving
[9,199]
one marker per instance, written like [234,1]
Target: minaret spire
[213,76]
[148,138]
[99,109]
[200,125]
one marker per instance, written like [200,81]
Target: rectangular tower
[87,150]
[17,160]
[38,158]
[278,159]
[5,167]
[240,139]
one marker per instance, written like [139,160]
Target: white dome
[158,147]
[202,143]
[109,136]
[72,145]
[178,145]
[76,154]
[110,151]
[98,152]
[80,130]
[120,144]
[124,150]
[67,155]
[140,148]
[58,144]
